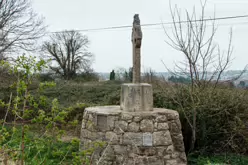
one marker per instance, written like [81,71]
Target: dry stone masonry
[134,133]
[147,138]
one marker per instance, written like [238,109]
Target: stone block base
[136,97]
[140,138]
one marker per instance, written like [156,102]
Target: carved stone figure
[136,40]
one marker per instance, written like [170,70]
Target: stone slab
[116,110]
[136,97]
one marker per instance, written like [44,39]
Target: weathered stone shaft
[136,40]
[136,65]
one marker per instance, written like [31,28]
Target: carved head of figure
[136,19]
[136,33]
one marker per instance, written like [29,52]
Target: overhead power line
[156,24]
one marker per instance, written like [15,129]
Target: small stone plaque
[147,139]
[102,122]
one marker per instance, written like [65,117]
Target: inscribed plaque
[147,139]
[102,122]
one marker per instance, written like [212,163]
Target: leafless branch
[20,27]
[204,61]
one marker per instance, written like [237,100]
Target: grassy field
[94,93]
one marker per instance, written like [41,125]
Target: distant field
[95,93]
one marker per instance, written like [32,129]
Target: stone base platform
[133,138]
[136,97]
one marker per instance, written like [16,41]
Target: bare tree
[204,61]
[69,51]
[20,27]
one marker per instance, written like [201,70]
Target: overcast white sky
[112,48]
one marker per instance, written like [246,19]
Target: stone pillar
[136,40]
[136,96]
[136,65]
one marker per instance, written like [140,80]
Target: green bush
[221,116]
[86,77]
[37,150]
[46,77]
[217,159]
[31,108]
[75,112]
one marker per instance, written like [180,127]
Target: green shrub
[46,77]
[221,116]
[75,112]
[86,77]
[217,159]
[38,150]
[43,146]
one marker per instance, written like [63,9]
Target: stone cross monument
[136,96]
[136,40]
[134,132]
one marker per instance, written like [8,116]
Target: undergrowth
[37,150]
[22,145]
[225,159]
